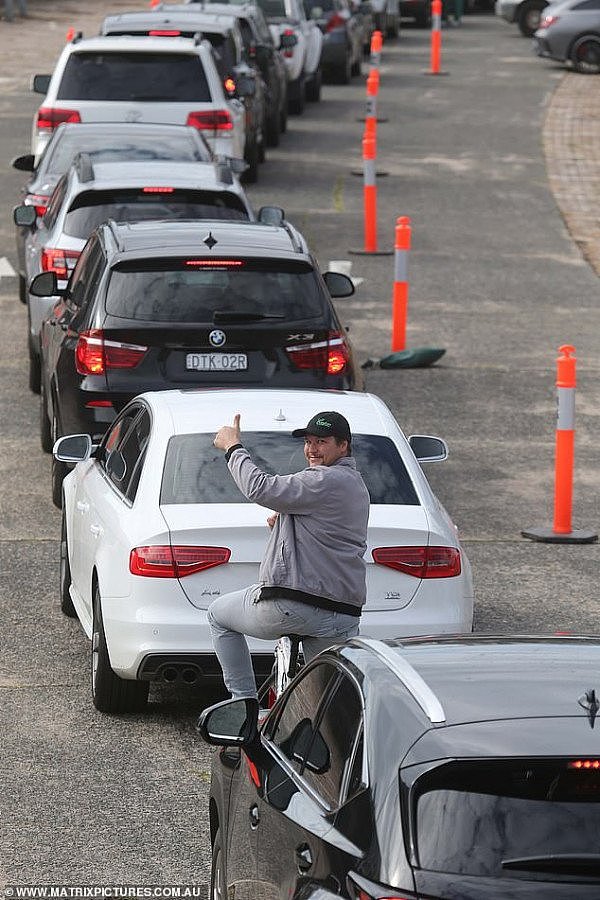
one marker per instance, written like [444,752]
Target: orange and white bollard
[376,45]
[370,193]
[562,530]
[436,38]
[400,289]
[371,113]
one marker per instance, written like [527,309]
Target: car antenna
[590,703]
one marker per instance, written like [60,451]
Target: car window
[329,756]
[192,290]
[224,52]
[588,4]
[508,810]
[107,147]
[87,273]
[125,447]
[92,208]
[273,8]
[55,203]
[294,726]
[152,77]
[195,472]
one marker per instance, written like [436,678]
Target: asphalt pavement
[495,279]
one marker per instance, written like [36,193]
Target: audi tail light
[420,562]
[40,201]
[94,354]
[175,561]
[211,120]
[62,262]
[49,118]
[331,355]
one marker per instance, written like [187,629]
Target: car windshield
[91,209]
[195,472]
[273,8]
[508,811]
[106,147]
[192,290]
[151,77]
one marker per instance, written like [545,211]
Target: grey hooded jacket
[320,536]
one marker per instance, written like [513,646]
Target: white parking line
[6,270]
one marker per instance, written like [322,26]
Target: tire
[250,176]
[313,87]
[585,54]
[273,130]
[529,16]
[283,114]
[218,876]
[110,693]
[66,604]
[392,28]
[342,74]
[45,424]
[356,66]
[296,97]
[22,289]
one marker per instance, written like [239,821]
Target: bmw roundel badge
[217,337]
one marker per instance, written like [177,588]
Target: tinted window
[188,291]
[55,203]
[508,810]
[195,472]
[92,209]
[87,273]
[127,442]
[107,147]
[225,55]
[157,77]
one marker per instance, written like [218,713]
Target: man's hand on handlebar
[228,435]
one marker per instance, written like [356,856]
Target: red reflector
[60,261]
[584,764]
[158,190]
[175,562]
[253,772]
[331,355]
[40,201]
[215,263]
[420,562]
[215,119]
[159,33]
[48,118]
[98,404]
[94,355]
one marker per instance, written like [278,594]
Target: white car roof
[198,175]
[144,44]
[197,411]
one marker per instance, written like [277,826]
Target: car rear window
[188,291]
[151,77]
[273,8]
[509,811]
[92,208]
[106,147]
[195,472]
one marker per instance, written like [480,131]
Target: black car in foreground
[450,768]
[161,305]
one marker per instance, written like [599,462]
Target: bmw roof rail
[114,230]
[410,678]
[83,167]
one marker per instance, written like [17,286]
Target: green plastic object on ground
[411,359]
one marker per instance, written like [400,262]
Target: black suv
[162,305]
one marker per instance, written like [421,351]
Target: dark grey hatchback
[162,305]
[451,768]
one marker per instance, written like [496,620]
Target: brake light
[253,773]
[158,190]
[211,119]
[60,261]
[331,355]
[585,764]
[175,561]
[290,51]
[40,201]
[336,21]
[229,85]
[214,263]
[420,562]
[157,32]
[548,21]
[99,404]
[48,118]
[94,355]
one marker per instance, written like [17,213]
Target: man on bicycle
[312,576]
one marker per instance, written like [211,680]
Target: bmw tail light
[94,355]
[331,355]
[211,120]
[420,562]
[175,561]
[361,889]
[60,261]
[49,118]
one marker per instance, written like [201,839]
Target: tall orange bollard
[376,45]
[400,289]
[370,193]
[436,39]
[371,114]
[562,530]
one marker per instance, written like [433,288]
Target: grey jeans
[241,613]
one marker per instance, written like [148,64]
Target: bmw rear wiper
[563,863]
[222,315]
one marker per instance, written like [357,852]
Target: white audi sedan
[154,528]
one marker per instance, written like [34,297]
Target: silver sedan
[570,32]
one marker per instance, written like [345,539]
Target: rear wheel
[110,693]
[313,87]
[218,882]
[283,114]
[250,176]
[356,67]
[273,130]
[585,55]
[66,604]
[529,17]
[296,96]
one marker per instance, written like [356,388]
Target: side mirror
[246,86]
[338,285]
[427,448]
[24,163]
[287,41]
[73,448]
[25,216]
[271,215]
[45,285]
[232,723]
[40,84]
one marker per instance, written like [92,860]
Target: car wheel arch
[581,37]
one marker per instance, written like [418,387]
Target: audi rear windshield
[141,77]
[194,289]
[92,208]
[508,819]
[107,147]
[195,472]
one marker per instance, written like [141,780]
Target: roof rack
[293,236]
[114,230]
[410,678]
[83,167]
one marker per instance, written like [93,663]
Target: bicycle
[286,665]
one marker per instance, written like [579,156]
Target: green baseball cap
[326,424]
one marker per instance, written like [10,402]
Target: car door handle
[82,506]
[254,817]
[304,858]
[96,530]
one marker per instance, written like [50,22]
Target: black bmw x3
[163,305]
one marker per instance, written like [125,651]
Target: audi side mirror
[45,285]
[25,216]
[338,285]
[73,448]
[428,448]
[24,163]
[231,723]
